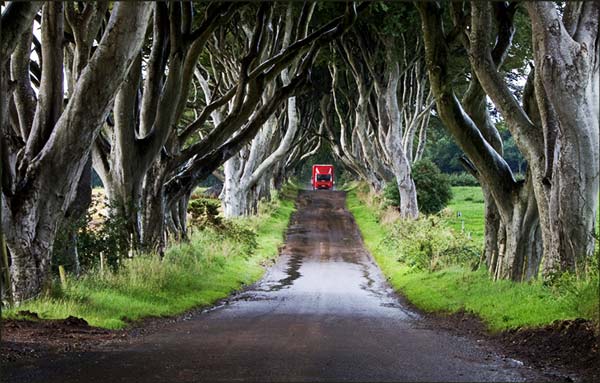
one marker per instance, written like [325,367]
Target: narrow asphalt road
[322,312]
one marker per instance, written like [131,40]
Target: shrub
[391,195]
[462,179]
[242,234]
[433,188]
[97,233]
[428,244]
[204,212]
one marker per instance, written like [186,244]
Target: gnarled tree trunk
[515,201]
[567,63]
[57,150]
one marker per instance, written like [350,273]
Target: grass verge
[501,305]
[209,267]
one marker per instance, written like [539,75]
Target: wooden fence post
[63,276]
[102,262]
[6,268]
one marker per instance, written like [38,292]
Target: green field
[501,305]
[195,274]
[468,201]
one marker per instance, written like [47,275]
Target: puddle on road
[292,271]
[323,270]
[338,288]
[370,281]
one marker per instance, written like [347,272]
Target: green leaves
[433,188]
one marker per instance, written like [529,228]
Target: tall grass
[501,304]
[207,268]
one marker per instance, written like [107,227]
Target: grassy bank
[211,266]
[501,305]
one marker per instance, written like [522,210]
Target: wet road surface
[323,312]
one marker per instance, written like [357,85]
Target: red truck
[322,177]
